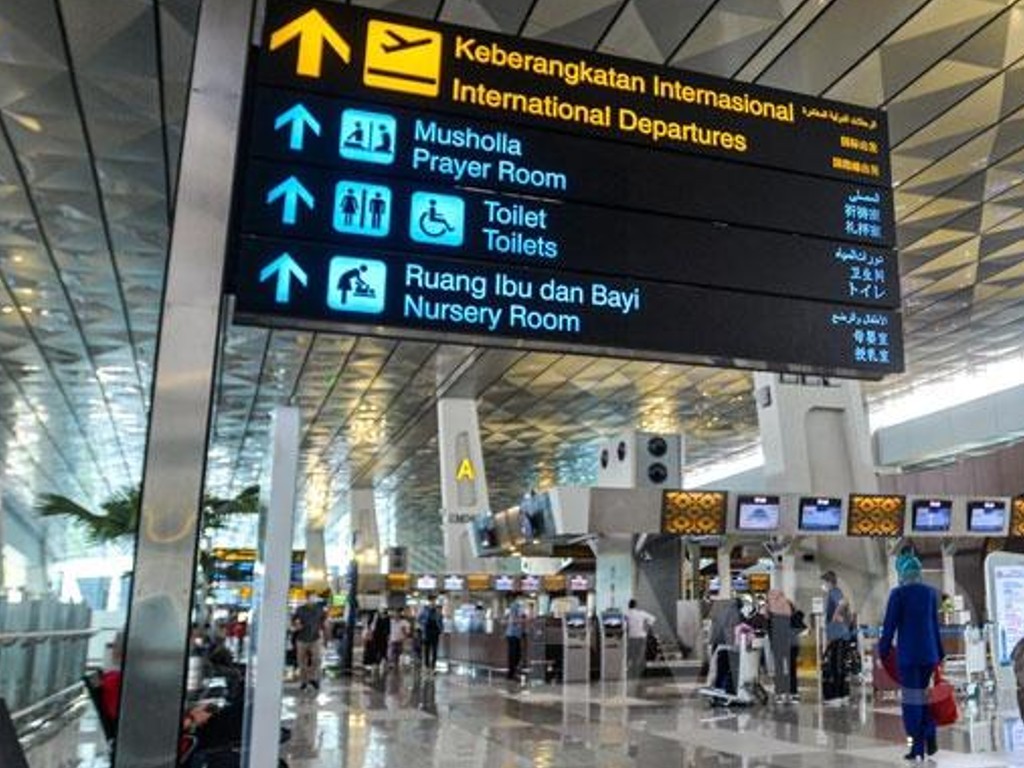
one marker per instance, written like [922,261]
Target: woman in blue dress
[912,620]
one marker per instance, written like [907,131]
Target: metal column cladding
[165,554]
[414,179]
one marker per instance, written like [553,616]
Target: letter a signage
[466,471]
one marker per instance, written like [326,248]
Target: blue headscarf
[908,567]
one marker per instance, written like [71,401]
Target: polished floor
[408,720]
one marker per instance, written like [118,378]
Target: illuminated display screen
[878,516]
[485,534]
[580,582]
[985,516]
[505,583]
[932,515]
[426,583]
[554,583]
[536,520]
[447,190]
[478,582]
[454,583]
[693,513]
[821,514]
[237,566]
[530,583]
[576,620]
[757,513]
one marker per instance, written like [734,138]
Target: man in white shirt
[638,622]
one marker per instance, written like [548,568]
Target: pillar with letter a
[463,479]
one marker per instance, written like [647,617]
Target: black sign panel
[446,68]
[522,231]
[417,180]
[466,153]
[485,304]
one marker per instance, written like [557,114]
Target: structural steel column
[165,554]
[264,669]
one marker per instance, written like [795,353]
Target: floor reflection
[408,720]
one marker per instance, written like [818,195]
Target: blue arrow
[292,191]
[285,267]
[299,118]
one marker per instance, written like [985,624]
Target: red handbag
[942,700]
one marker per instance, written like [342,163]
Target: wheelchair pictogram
[437,219]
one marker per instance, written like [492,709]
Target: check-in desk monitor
[988,516]
[575,647]
[613,644]
[931,515]
[820,514]
[757,514]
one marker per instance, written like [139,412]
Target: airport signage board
[444,68]
[731,225]
[432,297]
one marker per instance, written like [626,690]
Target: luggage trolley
[967,670]
[740,683]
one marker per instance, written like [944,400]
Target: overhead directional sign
[433,297]
[284,269]
[298,120]
[407,178]
[470,72]
[290,192]
[314,34]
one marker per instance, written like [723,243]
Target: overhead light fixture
[27,121]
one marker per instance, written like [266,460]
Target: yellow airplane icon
[313,31]
[402,58]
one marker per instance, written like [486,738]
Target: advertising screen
[485,534]
[1009,604]
[757,513]
[535,517]
[821,514]
[984,516]
[932,515]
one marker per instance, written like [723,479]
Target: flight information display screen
[757,513]
[824,515]
[986,516]
[932,515]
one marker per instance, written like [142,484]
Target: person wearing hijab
[912,621]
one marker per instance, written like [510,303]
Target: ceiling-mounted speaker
[641,460]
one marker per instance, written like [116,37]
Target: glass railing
[43,648]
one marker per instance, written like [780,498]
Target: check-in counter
[478,649]
[490,650]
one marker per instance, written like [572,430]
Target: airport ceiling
[92,94]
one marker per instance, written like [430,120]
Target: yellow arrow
[313,31]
